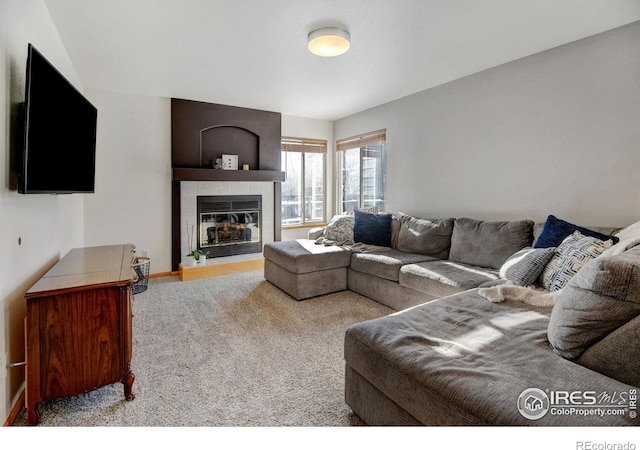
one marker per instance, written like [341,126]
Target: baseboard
[162,274]
[188,273]
[15,410]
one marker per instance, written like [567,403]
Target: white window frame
[374,138]
[306,146]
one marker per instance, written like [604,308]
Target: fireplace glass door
[229,228]
[229,225]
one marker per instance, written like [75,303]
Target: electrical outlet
[3,366]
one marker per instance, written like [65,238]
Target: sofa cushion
[385,264]
[441,278]
[556,230]
[571,255]
[525,266]
[430,237]
[488,244]
[602,297]
[304,256]
[373,229]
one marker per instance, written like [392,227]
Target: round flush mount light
[329,42]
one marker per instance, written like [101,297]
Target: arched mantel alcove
[218,140]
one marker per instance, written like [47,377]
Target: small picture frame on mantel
[230,162]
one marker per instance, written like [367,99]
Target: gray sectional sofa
[406,273]
[449,356]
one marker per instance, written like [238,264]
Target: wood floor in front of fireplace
[215,268]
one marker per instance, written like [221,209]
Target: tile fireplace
[225,207]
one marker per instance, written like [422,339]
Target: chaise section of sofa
[303,269]
[462,360]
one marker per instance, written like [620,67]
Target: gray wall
[554,133]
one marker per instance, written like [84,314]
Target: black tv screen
[60,133]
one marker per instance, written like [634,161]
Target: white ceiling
[252,53]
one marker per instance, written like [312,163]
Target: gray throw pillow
[488,244]
[600,298]
[525,266]
[571,255]
[431,237]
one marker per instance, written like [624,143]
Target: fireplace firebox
[229,224]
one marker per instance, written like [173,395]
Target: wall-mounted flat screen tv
[59,150]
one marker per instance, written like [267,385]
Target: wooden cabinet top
[88,267]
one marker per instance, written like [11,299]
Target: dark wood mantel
[188,174]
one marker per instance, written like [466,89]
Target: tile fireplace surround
[189,190]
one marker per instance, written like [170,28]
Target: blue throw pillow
[374,229]
[555,230]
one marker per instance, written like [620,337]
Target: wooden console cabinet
[79,325]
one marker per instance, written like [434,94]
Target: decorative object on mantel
[218,163]
[195,256]
[245,167]
[230,162]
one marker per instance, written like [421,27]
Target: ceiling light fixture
[329,42]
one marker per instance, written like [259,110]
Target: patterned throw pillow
[340,229]
[525,266]
[571,255]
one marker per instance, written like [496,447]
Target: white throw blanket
[629,238]
[355,247]
[529,295]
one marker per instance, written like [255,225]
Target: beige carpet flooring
[230,351]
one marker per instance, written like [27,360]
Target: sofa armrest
[315,233]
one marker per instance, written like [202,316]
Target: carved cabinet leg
[33,416]
[127,381]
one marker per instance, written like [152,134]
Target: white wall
[47,226]
[555,133]
[301,127]
[132,199]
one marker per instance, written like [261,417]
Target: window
[361,163]
[303,161]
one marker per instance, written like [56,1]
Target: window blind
[372,138]
[291,144]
